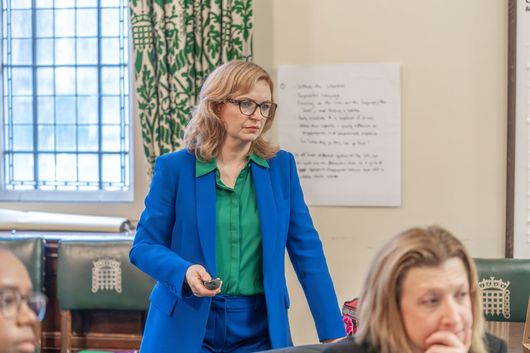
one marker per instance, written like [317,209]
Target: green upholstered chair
[505,287]
[30,250]
[97,275]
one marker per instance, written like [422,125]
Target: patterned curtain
[176,44]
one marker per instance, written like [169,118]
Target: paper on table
[44,221]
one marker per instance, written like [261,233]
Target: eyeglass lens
[248,107]
[11,303]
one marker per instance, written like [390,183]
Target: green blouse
[238,234]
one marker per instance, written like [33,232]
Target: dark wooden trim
[103,341]
[66,330]
[510,150]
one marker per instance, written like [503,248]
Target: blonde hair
[380,316]
[205,133]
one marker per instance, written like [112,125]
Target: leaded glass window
[65,107]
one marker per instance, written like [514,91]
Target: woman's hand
[195,276]
[449,342]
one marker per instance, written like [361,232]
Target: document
[343,124]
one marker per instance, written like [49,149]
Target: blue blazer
[177,229]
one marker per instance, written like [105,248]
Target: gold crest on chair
[495,296]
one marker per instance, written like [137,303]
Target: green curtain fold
[176,44]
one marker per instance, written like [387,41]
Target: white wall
[453,59]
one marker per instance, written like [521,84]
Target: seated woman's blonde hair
[380,318]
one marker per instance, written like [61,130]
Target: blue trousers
[237,324]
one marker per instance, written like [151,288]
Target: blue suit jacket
[177,229]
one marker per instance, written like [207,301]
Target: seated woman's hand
[449,342]
[195,277]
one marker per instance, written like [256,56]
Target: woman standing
[227,207]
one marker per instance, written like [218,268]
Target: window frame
[80,196]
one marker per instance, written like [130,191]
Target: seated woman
[421,296]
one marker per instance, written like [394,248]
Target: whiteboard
[343,124]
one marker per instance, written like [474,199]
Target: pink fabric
[350,317]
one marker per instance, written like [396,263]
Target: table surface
[511,332]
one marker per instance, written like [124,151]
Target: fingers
[195,276]
[468,337]
[449,342]
[438,348]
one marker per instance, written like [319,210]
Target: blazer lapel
[205,201]
[266,211]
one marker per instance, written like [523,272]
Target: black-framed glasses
[11,302]
[248,107]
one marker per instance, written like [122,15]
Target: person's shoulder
[173,163]
[174,158]
[347,345]
[281,157]
[495,344]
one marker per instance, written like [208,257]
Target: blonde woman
[227,207]
[421,295]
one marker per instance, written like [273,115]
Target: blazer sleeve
[307,256]
[151,251]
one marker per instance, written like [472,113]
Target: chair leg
[66,331]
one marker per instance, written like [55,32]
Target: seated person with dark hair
[20,308]
[421,295]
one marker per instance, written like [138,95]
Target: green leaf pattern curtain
[176,44]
